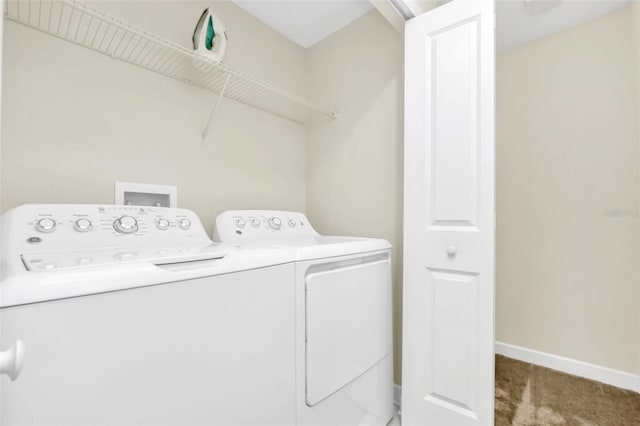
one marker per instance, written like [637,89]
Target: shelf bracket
[215,107]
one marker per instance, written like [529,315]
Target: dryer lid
[329,246]
[289,230]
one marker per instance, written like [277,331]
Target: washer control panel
[261,225]
[125,220]
[40,228]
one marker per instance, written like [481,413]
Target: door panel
[449,216]
[347,311]
[453,332]
[452,107]
[362,326]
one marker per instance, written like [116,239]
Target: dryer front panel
[348,324]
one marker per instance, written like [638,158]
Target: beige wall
[354,175]
[567,195]
[635,23]
[75,121]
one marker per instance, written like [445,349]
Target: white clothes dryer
[343,353]
[132,316]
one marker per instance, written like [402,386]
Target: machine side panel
[208,351]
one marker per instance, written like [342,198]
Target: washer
[343,316]
[132,316]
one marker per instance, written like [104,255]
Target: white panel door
[449,219]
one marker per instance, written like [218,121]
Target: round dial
[125,225]
[292,222]
[184,224]
[162,224]
[240,223]
[275,223]
[255,222]
[83,225]
[46,225]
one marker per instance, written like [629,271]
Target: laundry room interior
[567,157]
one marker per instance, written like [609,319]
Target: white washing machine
[343,305]
[131,316]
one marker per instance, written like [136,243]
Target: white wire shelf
[81,24]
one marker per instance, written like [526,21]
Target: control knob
[240,223]
[46,225]
[255,222]
[162,224]
[125,225]
[275,223]
[184,224]
[83,225]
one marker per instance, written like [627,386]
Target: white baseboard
[598,373]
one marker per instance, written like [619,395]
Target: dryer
[132,316]
[343,305]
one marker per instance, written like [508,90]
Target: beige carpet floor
[528,394]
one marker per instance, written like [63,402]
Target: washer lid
[101,277]
[72,259]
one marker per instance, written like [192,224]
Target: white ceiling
[520,22]
[306,22]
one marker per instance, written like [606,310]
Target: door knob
[12,360]
[452,250]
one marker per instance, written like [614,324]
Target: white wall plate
[144,194]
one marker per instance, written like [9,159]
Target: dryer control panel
[235,226]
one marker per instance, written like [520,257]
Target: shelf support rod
[215,107]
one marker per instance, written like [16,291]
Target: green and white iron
[210,36]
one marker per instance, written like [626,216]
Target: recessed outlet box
[144,194]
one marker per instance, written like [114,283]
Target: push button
[125,256]
[48,266]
